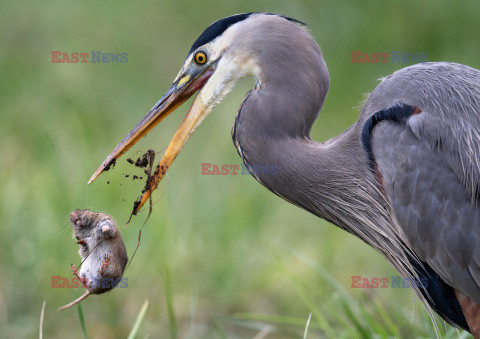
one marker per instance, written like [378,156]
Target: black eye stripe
[218,27]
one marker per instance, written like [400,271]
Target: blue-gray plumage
[404,178]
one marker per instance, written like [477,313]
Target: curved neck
[272,135]
[292,77]
[272,129]
[320,178]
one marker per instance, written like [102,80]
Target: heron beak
[182,89]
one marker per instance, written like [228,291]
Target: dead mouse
[103,252]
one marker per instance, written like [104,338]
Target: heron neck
[272,133]
[321,178]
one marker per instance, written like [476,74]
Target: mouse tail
[86,294]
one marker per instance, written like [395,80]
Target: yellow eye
[200,57]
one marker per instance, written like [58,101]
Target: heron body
[405,178]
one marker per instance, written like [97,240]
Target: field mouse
[103,252]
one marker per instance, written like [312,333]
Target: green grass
[241,262]
[81,318]
[139,320]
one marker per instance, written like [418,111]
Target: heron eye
[200,57]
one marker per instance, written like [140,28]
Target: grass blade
[316,267]
[82,320]
[42,312]
[169,299]
[139,320]
[275,318]
[306,326]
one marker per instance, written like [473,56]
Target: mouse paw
[83,281]
[105,263]
[74,269]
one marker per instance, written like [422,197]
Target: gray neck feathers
[294,79]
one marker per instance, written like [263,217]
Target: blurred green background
[220,256]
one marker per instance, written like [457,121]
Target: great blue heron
[405,178]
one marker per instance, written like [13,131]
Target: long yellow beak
[181,90]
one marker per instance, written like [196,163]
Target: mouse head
[85,223]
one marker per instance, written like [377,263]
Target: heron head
[226,51]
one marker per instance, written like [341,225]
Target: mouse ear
[106,227]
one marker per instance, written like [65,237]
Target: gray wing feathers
[449,96]
[431,165]
[431,205]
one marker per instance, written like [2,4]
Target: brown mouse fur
[103,252]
